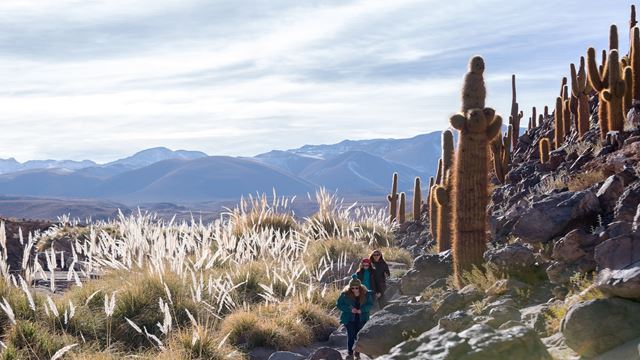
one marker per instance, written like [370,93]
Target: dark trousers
[352,333]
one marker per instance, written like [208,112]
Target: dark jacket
[345,303]
[380,274]
[372,279]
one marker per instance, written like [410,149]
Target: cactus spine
[544,150]
[401,212]
[580,88]
[417,200]
[477,126]
[393,199]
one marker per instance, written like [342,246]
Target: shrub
[483,278]
[199,342]
[29,340]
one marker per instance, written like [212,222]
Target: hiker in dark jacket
[354,302]
[366,275]
[380,274]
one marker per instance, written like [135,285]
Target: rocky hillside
[561,274]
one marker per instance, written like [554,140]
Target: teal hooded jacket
[346,303]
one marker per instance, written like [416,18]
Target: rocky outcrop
[549,216]
[425,270]
[477,342]
[594,327]
[392,325]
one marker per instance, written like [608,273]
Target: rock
[533,317]
[618,252]
[338,337]
[570,248]
[586,332]
[620,282]
[392,325]
[509,286]
[616,229]
[636,220]
[628,350]
[287,355]
[456,321]
[425,270]
[509,324]
[548,217]
[610,192]
[625,209]
[456,301]
[558,348]
[502,314]
[512,259]
[479,342]
[559,273]
[326,353]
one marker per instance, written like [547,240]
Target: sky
[100,80]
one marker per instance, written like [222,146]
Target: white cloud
[101,79]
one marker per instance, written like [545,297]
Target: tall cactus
[442,196]
[627,99]
[433,212]
[533,118]
[614,93]
[559,123]
[393,199]
[544,150]
[447,152]
[477,126]
[417,200]
[599,80]
[402,218]
[431,183]
[580,88]
[634,54]
[516,116]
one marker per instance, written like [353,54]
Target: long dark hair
[373,259]
[362,297]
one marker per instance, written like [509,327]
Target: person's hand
[378,295]
[355,311]
[359,311]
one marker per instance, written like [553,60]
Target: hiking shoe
[357,355]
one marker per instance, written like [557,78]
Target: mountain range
[351,168]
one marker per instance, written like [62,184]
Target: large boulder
[573,246]
[479,342]
[548,217]
[393,325]
[425,270]
[512,259]
[618,252]
[594,327]
[620,282]
[610,191]
[625,209]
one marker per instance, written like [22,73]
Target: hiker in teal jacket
[355,302]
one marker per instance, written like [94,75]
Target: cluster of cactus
[612,85]
[501,151]
[580,89]
[397,212]
[478,126]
